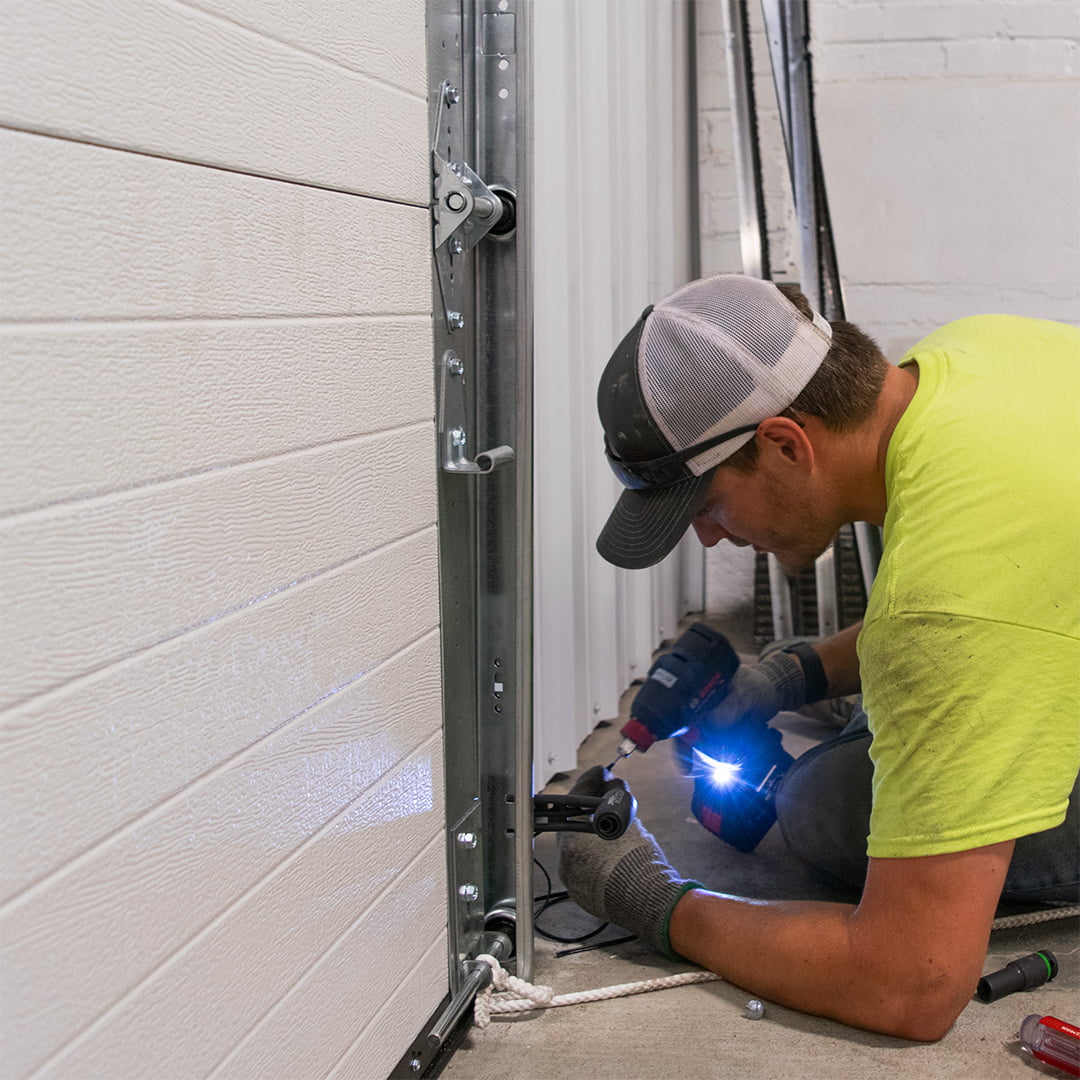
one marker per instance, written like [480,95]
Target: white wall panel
[128,572]
[394,1024]
[221,768]
[226,981]
[276,931]
[162,400]
[166,78]
[121,738]
[613,234]
[381,40]
[561,627]
[97,236]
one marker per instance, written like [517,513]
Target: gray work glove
[760,691]
[627,881]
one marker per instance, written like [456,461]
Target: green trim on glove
[665,940]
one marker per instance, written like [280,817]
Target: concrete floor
[700,1031]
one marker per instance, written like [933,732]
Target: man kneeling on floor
[731,406]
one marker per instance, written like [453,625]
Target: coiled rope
[507,993]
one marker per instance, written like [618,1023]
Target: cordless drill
[683,684]
[736,775]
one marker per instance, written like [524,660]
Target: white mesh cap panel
[723,353]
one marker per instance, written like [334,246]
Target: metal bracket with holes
[453,438]
[479,108]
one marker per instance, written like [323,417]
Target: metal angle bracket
[461,202]
[453,438]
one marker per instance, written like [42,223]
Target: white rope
[508,994]
[1006,922]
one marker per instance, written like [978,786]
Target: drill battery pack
[735,784]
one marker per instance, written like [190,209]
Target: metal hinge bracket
[453,439]
[462,205]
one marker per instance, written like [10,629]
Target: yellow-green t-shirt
[970,651]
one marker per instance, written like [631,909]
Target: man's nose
[708,532]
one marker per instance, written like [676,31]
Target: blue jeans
[823,809]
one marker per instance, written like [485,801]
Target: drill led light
[725,773]
[722,773]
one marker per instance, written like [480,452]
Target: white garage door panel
[169,79]
[380,39]
[146,402]
[106,235]
[396,1024]
[121,740]
[221,750]
[90,584]
[323,1018]
[192,1013]
[299,890]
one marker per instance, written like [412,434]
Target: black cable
[599,945]
[547,877]
[550,900]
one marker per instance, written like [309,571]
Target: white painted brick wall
[950,136]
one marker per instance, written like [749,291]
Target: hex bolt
[468,893]
[456,246]
[451,95]
[455,202]
[467,840]
[458,437]
[415,1065]
[456,320]
[456,366]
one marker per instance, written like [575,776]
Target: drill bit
[626,748]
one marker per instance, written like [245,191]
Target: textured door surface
[223,847]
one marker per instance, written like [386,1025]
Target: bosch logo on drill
[710,690]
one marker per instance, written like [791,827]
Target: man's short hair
[844,390]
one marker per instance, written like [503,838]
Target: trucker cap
[684,390]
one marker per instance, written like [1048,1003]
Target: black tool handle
[616,810]
[1023,974]
[608,815]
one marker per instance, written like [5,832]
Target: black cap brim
[646,524]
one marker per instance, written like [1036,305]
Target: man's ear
[787,439]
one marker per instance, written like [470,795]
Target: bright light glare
[722,773]
[725,773]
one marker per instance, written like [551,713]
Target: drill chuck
[636,736]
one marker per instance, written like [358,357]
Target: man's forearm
[904,962]
[841,661]
[802,954]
